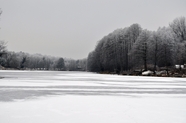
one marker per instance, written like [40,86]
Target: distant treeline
[21,60]
[133,48]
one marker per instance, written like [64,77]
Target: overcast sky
[71,28]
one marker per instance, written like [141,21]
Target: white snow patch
[117,99]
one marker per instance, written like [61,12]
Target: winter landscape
[92,61]
[84,97]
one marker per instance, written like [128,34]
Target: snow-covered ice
[83,97]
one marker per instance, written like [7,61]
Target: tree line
[133,48]
[26,61]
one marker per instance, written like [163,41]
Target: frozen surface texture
[82,97]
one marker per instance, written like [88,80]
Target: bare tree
[3,47]
[2,43]
[154,48]
[167,48]
[179,28]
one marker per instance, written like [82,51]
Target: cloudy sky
[71,28]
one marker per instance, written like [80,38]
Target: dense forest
[26,61]
[133,47]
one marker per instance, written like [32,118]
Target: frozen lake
[83,97]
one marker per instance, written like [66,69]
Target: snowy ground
[80,97]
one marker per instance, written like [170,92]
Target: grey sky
[71,28]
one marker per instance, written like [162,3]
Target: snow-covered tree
[167,47]
[60,64]
[179,28]
[141,48]
[154,48]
